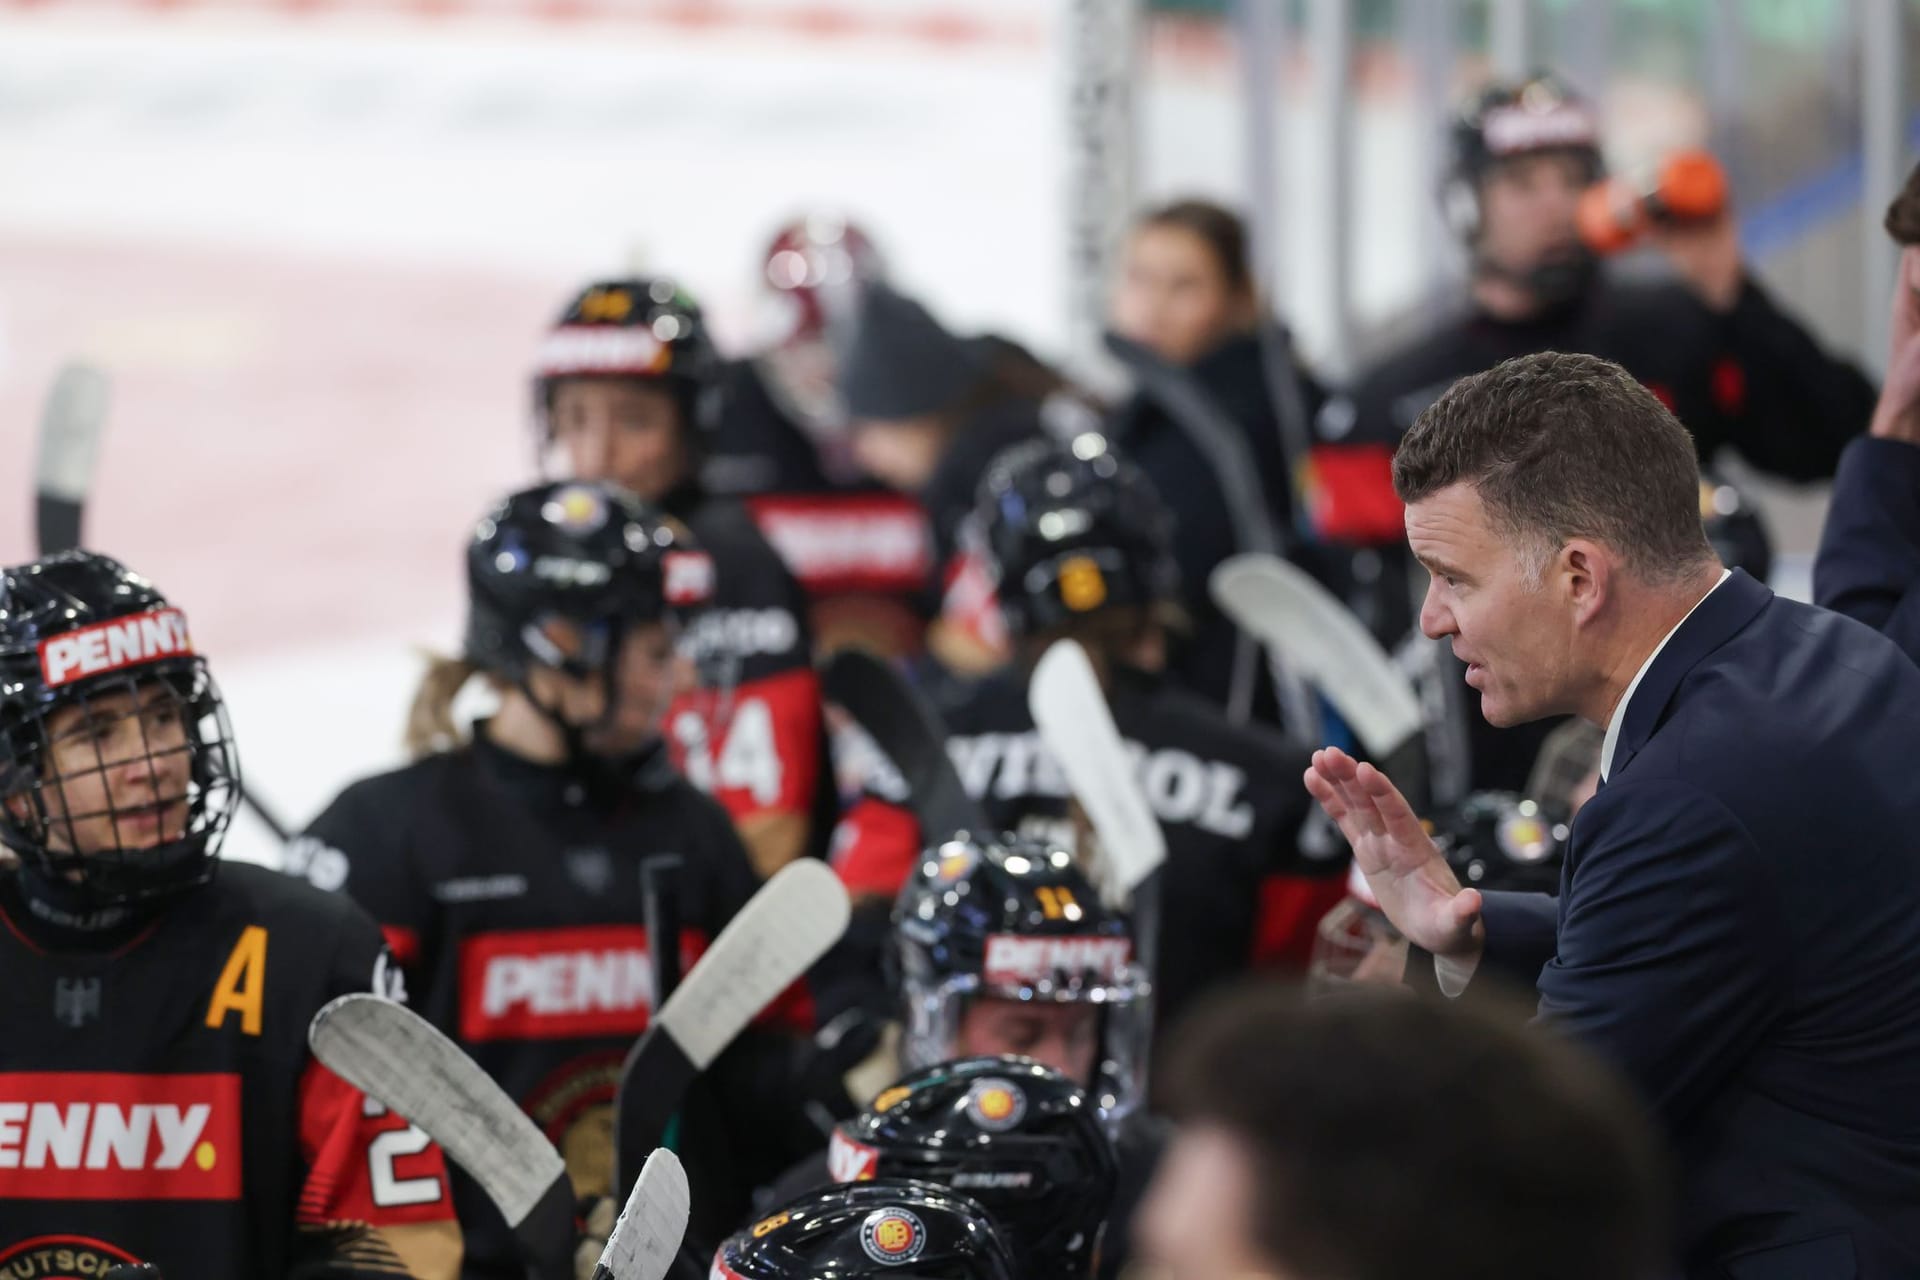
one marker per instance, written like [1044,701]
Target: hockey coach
[1738,923]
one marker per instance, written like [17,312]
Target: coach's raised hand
[1403,866]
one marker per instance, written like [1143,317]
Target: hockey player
[1186,291]
[780,443]
[868,1231]
[1736,370]
[158,1103]
[1078,544]
[782,427]
[505,867]
[1002,947]
[625,392]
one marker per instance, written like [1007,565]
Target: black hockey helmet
[869,1229]
[1508,119]
[587,553]
[78,629]
[1735,527]
[1015,918]
[1069,529]
[1019,1137]
[645,328]
[1497,840]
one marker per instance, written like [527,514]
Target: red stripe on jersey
[1290,910]
[403,942]
[875,847]
[764,755]
[557,984]
[79,1135]
[1350,495]
[364,1164]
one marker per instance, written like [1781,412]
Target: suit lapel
[1718,618]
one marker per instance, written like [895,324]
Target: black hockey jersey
[759,744]
[158,1102]
[1245,882]
[515,907]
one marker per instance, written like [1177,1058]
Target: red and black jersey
[1247,877]
[512,896]
[759,746]
[158,1102]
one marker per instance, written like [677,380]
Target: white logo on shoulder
[112,646]
[322,865]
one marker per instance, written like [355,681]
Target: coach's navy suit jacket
[1738,927]
[1869,562]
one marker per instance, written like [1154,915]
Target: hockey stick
[1075,722]
[649,1230]
[71,424]
[767,946]
[400,1060]
[909,732]
[1317,636]
[660,910]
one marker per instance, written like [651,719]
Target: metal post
[1330,41]
[1587,45]
[1431,31]
[1101,41]
[1261,38]
[1883,149]
[1511,37]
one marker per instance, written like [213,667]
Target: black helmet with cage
[118,775]
[1014,918]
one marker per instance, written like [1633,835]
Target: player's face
[1508,626]
[1173,297]
[645,677]
[1196,1222]
[118,774]
[1527,209]
[621,430]
[1065,1037]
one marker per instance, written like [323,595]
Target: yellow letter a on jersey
[243,983]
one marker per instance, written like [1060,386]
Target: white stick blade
[400,1060]
[1319,637]
[651,1226]
[70,428]
[1077,725]
[767,946]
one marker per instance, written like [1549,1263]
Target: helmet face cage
[54,774]
[933,1007]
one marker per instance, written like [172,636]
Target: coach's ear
[1586,571]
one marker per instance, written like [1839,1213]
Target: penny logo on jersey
[61,1258]
[113,646]
[76,1135]
[538,984]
